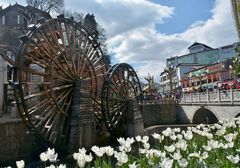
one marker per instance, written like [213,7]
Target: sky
[144,33]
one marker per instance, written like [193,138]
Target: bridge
[209,107]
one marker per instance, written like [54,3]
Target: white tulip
[166,163]
[53,158]
[156,136]
[88,158]
[43,157]
[145,139]
[176,156]
[207,148]
[121,157]
[188,135]
[62,166]
[133,165]
[170,148]
[183,162]
[233,159]
[20,164]
[109,150]
[81,162]
[230,144]
[146,145]
[138,138]
[98,151]
[167,132]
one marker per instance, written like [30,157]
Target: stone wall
[15,143]
[159,113]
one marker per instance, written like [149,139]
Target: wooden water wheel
[121,85]
[53,57]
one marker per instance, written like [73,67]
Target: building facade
[199,55]
[209,77]
[19,17]
[15,17]
[7,57]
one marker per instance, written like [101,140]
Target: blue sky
[144,33]
[185,14]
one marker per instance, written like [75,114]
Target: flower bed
[216,145]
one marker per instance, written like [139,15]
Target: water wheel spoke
[44,114]
[60,98]
[64,99]
[52,34]
[33,71]
[37,61]
[38,107]
[93,77]
[83,67]
[40,45]
[36,94]
[45,39]
[60,66]
[118,109]
[115,90]
[56,77]
[117,80]
[67,101]
[43,48]
[71,57]
[53,126]
[56,88]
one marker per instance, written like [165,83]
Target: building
[202,54]
[199,55]
[19,17]
[7,57]
[14,17]
[208,77]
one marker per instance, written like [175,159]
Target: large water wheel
[53,57]
[57,60]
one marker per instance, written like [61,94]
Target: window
[18,19]
[3,20]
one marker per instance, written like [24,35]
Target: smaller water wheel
[121,85]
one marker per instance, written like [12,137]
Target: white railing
[212,97]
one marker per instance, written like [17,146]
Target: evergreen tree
[98,33]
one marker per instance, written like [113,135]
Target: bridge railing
[228,96]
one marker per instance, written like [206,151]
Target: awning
[198,72]
[209,85]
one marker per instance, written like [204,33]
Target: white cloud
[120,16]
[132,38]
[218,30]
[144,44]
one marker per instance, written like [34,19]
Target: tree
[47,5]
[102,40]
[90,24]
[77,17]
[236,62]
[98,33]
